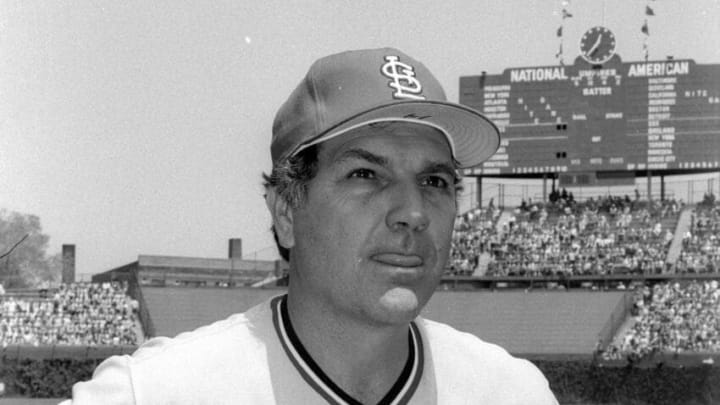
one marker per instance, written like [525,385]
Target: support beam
[662,187]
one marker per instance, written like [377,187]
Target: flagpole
[646,30]
[565,14]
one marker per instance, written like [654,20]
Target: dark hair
[290,179]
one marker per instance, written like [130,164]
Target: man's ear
[282,216]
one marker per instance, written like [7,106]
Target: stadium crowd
[701,243]
[74,314]
[671,317]
[599,236]
[474,234]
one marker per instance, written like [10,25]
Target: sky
[136,127]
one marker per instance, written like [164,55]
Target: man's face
[373,236]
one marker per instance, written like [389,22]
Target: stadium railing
[617,318]
[135,292]
[64,352]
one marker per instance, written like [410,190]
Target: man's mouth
[398,259]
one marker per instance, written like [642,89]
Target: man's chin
[401,304]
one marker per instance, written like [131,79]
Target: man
[363,200]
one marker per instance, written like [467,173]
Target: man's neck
[365,360]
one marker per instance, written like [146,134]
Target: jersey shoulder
[213,358]
[465,362]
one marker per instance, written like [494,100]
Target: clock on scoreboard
[597,45]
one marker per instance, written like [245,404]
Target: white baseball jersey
[256,358]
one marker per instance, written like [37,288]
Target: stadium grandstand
[596,283]
[77,314]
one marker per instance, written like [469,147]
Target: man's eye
[362,174]
[435,181]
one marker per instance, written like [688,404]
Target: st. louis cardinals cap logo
[402,79]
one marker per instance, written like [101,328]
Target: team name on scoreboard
[538,74]
[668,68]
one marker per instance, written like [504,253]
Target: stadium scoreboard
[655,115]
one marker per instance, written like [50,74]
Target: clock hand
[595,46]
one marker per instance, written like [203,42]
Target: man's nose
[408,209]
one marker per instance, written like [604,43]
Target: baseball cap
[348,90]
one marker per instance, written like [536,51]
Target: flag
[566,14]
[559,31]
[649,11]
[644,29]
[559,54]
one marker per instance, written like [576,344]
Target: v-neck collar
[401,391]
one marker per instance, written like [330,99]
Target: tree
[24,247]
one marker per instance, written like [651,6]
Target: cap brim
[472,137]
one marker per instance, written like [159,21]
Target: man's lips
[398,259]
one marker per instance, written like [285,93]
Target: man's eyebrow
[362,154]
[358,153]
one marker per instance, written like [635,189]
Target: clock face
[597,45]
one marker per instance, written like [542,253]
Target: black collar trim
[401,391]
